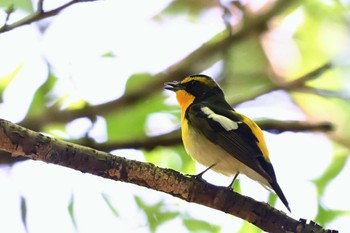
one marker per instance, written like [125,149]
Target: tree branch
[21,141]
[294,85]
[195,62]
[38,15]
[174,137]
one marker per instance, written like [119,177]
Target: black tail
[280,194]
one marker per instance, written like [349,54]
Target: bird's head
[197,87]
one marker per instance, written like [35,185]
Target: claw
[199,175]
[233,181]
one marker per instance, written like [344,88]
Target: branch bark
[24,142]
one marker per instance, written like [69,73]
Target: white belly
[206,153]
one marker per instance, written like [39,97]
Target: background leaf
[25,5]
[156,214]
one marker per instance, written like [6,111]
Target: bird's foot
[232,182]
[199,176]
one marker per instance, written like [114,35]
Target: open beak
[173,86]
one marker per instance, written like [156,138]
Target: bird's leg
[199,175]
[233,181]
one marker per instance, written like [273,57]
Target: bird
[218,137]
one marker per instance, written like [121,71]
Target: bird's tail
[280,194]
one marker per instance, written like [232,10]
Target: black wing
[240,142]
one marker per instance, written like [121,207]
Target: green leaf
[41,97]
[237,186]
[138,81]
[199,226]
[109,54]
[175,158]
[191,7]
[25,5]
[188,165]
[248,227]
[7,79]
[130,123]
[335,167]
[156,214]
[24,213]
[110,205]
[325,216]
[71,211]
[245,69]
[272,199]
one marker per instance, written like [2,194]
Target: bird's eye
[194,83]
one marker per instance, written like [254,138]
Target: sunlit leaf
[248,227]
[25,5]
[237,186]
[325,216]
[318,9]
[317,35]
[245,69]
[195,225]
[110,205]
[334,168]
[109,54]
[190,7]
[175,158]
[156,214]
[272,199]
[24,212]
[42,96]
[130,123]
[71,211]
[7,79]
[188,165]
[334,110]
[56,130]
[137,82]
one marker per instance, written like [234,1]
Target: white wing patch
[225,122]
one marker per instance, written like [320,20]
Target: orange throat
[184,99]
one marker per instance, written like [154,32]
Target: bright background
[96,52]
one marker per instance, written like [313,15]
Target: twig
[300,82]
[275,126]
[20,141]
[344,95]
[9,11]
[40,8]
[39,14]
[294,85]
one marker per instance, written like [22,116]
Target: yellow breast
[184,99]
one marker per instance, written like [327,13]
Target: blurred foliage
[293,42]
[25,5]
[71,211]
[107,199]
[334,168]
[248,227]
[24,212]
[175,158]
[43,97]
[191,8]
[195,225]
[156,214]
[6,80]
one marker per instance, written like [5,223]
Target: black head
[198,85]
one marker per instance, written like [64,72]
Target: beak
[173,86]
